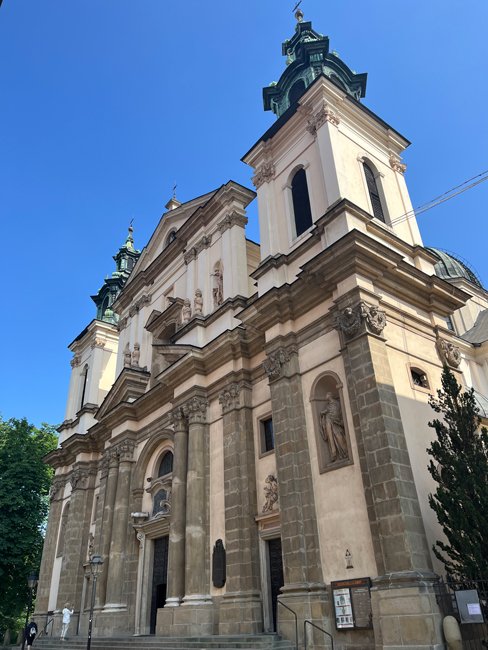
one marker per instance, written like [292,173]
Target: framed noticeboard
[352,603]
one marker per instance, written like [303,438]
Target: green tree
[459,465]
[24,503]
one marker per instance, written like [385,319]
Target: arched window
[296,91]
[171,237]
[166,465]
[84,379]
[374,194]
[301,202]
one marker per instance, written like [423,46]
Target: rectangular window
[267,435]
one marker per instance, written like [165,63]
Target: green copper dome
[449,267]
[308,57]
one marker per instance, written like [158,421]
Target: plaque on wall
[352,603]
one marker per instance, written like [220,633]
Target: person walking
[30,633]
[67,612]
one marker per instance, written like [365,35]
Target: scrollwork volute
[273,365]
[263,174]
[141,538]
[449,353]
[56,487]
[230,397]
[79,479]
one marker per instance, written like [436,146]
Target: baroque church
[246,425]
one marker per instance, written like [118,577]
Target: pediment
[163,325]
[128,387]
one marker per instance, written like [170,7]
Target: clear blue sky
[106,103]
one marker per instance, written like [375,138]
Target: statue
[186,311]
[375,318]
[127,356]
[332,428]
[270,492]
[198,303]
[218,290]
[136,355]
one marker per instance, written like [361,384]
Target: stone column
[404,607]
[304,590]
[76,536]
[195,617]
[109,487]
[116,567]
[241,608]
[176,549]
[50,546]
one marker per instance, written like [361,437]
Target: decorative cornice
[273,365]
[75,361]
[263,174]
[449,353]
[196,409]
[325,114]
[232,219]
[397,165]
[229,398]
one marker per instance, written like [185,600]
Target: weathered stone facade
[253,430]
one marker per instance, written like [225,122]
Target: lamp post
[95,570]
[32,584]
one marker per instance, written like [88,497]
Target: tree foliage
[24,488]
[459,465]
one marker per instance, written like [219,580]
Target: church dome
[450,268]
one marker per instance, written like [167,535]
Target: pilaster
[108,485]
[241,607]
[304,590]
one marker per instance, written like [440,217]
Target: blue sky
[105,104]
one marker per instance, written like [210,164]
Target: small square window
[419,378]
[267,435]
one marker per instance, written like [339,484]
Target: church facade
[246,424]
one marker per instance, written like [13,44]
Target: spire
[308,57]
[125,259]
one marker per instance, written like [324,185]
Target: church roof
[478,334]
[450,267]
[308,57]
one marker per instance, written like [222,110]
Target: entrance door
[275,574]
[160,576]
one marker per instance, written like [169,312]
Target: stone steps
[238,642]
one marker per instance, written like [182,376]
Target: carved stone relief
[230,397]
[218,285]
[352,319]
[449,353]
[273,365]
[56,487]
[186,311]
[325,114]
[75,361]
[162,503]
[270,493]
[232,219]
[397,165]
[263,174]
[125,450]
[198,303]
[196,409]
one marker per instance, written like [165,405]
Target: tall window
[374,194]
[84,379]
[301,202]
[267,435]
[166,465]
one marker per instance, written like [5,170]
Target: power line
[442,198]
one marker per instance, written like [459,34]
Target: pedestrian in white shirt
[67,612]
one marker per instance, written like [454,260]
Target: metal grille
[474,635]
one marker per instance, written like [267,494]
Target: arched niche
[147,467]
[330,423]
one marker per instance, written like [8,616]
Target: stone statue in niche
[198,303]
[186,311]
[127,356]
[332,428]
[270,493]
[218,286]
[136,354]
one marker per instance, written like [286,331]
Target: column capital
[230,398]
[80,478]
[278,362]
[232,219]
[263,174]
[103,464]
[360,318]
[125,450]
[56,487]
[179,420]
[196,409]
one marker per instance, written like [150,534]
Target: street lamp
[32,584]
[95,570]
